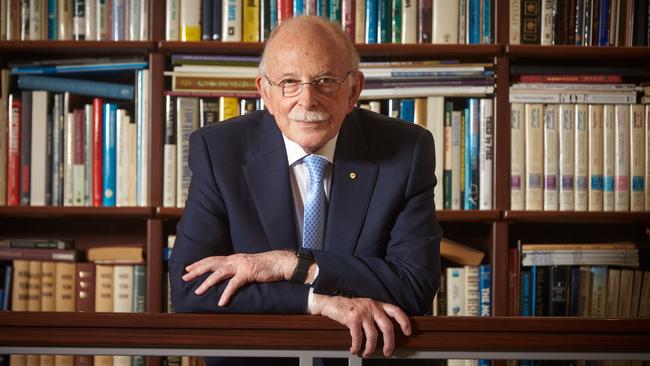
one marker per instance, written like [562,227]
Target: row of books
[467,291]
[578,279]
[365,21]
[96,20]
[580,22]
[74,142]
[579,157]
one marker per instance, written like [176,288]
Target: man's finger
[388,333]
[356,334]
[399,316]
[234,284]
[371,337]
[210,281]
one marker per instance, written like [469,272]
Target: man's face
[310,118]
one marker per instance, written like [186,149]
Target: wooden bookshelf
[493,231]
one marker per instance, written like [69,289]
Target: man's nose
[307,96]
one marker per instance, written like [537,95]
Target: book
[581,155]
[485,289]
[38,254]
[613,290]
[103,288]
[460,253]
[115,254]
[48,270]
[534,153]
[637,158]
[622,158]
[486,153]
[123,288]
[595,173]
[85,287]
[109,182]
[456,291]
[472,291]
[609,156]
[34,286]
[567,160]
[76,86]
[551,156]
[64,286]
[77,68]
[445,22]
[558,292]
[517,156]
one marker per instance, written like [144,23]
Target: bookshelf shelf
[76,48]
[223,48]
[76,212]
[169,212]
[608,54]
[577,217]
[468,216]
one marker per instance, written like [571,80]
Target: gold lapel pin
[353,175]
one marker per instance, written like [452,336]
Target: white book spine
[35,20]
[455,159]
[517,156]
[567,161]
[409,21]
[647,157]
[172,20]
[187,121]
[455,291]
[547,17]
[101,18]
[189,15]
[132,160]
[90,20]
[144,20]
[134,20]
[637,158]
[169,187]
[38,149]
[359,18]
[445,21]
[596,157]
[515,22]
[551,156]
[435,124]
[122,160]
[581,167]
[609,156]
[68,182]
[486,153]
[622,159]
[534,166]
[232,21]
[143,143]
[472,298]
[123,288]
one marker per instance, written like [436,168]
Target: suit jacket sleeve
[408,274]
[204,231]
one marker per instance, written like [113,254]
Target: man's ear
[357,87]
[262,88]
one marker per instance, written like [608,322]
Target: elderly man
[312,206]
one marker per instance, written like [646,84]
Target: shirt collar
[295,152]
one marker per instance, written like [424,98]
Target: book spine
[530,22]
[76,86]
[172,20]
[25,147]
[285,10]
[534,146]
[486,154]
[97,152]
[58,126]
[485,289]
[445,22]
[581,165]
[360,21]
[595,176]
[473,22]
[103,288]
[622,158]
[121,159]
[515,22]
[68,160]
[206,20]
[48,270]
[217,20]
[251,21]
[123,288]
[447,167]
[19,289]
[567,158]
[187,121]
[472,155]
[39,151]
[139,288]
[558,290]
[90,20]
[455,291]
[383,21]
[551,156]
[118,20]
[109,155]
[371,21]
[604,22]
[647,156]
[88,154]
[637,158]
[517,156]
[78,169]
[397,13]
[609,156]
[472,294]
[65,286]
[486,22]
[85,281]
[169,169]
[525,302]
[34,286]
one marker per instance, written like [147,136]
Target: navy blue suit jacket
[382,236]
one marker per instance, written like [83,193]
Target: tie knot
[316,166]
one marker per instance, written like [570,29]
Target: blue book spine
[274,14]
[407,110]
[323,8]
[383,21]
[298,7]
[57,150]
[603,23]
[77,86]
[110,155]
[216,19]
[371,21]
[87,68]
[52,20]
[472,155]
[9,274]
[474,21]
[526,295]
[487,22]
[485,289]
[118,13]
[206,19]
[574,292]
[533,290]
[467,158]
[579,23]
[335,10]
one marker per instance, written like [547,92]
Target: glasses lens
[327,85]
[290,88]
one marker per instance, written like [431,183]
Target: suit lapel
[353,181]
[267,175]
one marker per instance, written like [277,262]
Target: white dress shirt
[300,181]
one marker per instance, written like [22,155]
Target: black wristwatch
[305,259]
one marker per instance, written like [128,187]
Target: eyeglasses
[326,85]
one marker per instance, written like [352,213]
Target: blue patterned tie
[313,233]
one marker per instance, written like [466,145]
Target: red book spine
[285,10]
[13,158]
[347,17]
[97,151]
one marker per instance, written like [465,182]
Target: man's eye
[326,81]
[290,82]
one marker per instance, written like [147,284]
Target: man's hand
[360,316]
[272,266]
